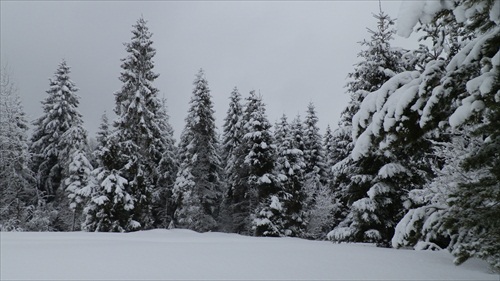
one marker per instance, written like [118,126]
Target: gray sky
[292,52]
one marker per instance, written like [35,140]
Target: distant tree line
[414,161]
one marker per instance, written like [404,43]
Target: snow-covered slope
[183,254]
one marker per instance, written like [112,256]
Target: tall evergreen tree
[242,194]
[369,219]
[379,63]
[462,91]
[197,187]
[231,145]
[59,133]
[292,164]
[259,144]
[259,160]
[285,172]
[396,131]
[59,115]
[135,148]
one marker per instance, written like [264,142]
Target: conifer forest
[413,163]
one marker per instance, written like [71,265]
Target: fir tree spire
[197,186]
[313,148]
[136,146]
[233,127]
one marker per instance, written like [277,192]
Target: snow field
[187,255]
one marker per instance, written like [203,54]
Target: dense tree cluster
[421,170]
[414,161]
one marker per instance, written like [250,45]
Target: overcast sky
[292,52]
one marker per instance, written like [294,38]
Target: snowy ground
[183,254]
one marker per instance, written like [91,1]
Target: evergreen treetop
[313,148]
[233,126]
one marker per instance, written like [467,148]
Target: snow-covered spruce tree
[391,132]
[231,141]
[438,148]
[261,151]
[17,182]
[356,176]
[136,146]
[59,115]
[294,195]
[57,135]
[463,88]
[243,194]
[379,62]
[109,204]
[394,126]
[197,186]
[290,167]
[259,156]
